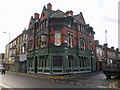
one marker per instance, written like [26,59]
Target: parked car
[2,69]
[112,70]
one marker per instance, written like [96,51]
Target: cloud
[110,19]
[101,4]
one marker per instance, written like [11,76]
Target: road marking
[112,85]
[4,86]
[101,87]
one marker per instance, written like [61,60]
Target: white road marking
[4,86]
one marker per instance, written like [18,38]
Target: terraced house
[59,43]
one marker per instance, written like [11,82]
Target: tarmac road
[86,80]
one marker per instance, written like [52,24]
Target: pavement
[42,76]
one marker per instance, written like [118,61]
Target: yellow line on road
[112,85]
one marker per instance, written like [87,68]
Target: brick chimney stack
[96,42]
[49,6]
[36,15]
[112,48]
[105,45]
[71,13]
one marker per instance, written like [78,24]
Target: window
[57,60]
[90,43]
[30,44]
[46,23]
[78,27]
[70,44]
[80,61]
[43,40]
[81,28]
[36,43]
[43,14]
[57,39]
[82,43]
[40,26]
[70,61]
[46,61]
[69,24]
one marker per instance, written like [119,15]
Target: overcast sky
[100,14]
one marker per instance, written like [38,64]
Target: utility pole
[106,56]
[106,36]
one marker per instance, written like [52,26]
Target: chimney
[36,15]
[112,48]
[117,49]
[96,42]
[67,13]
[105,45]
[71,13]
[49,6]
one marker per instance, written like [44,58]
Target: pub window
[43,25]
[81,28]
[69,24]
[38,63]
[57,39]
[46,61]
[43,40]
[70,61]
[82,43]
[80,61]
[40,26]
[57,61]
[78,27]
[70,44]
[36,43]
[42,61]
[90,43]
[46,23]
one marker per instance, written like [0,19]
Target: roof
[57,14]
[79,18]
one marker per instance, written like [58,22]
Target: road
[86,80]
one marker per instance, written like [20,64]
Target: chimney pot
[49,6]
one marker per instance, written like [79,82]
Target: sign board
[23,57]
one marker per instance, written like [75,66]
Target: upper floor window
[46,23]
[30,44]
[90,45]
[81,28]
[78,27]
[57,39]
[43,40]
[69,24]
[82,43]
[36,43]
[70,40]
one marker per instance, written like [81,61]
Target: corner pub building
[59,43]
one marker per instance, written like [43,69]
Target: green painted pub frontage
[60,43]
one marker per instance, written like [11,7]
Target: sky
[100,14]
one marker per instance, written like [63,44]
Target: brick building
[15,53]
[105,55]
[60,42]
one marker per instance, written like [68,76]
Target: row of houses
[56,42]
